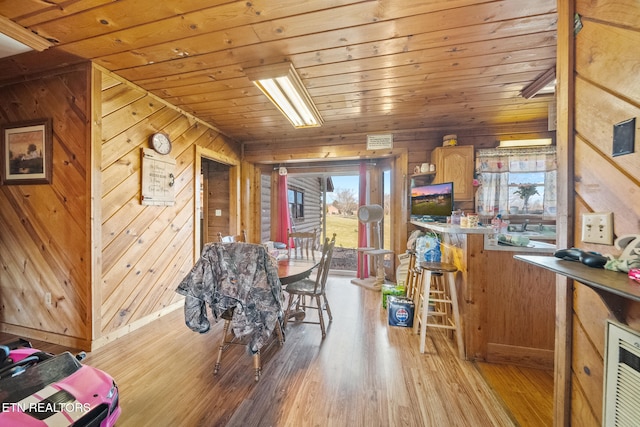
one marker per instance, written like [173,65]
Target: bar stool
[436,302]
[413,274]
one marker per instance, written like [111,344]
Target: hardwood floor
[528,393]
[364,373]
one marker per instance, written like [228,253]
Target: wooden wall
[310,186]
[419,144]
[44,229]
[265,207]
[217,189]
[145,250]
[109,263]
[607,91]
[410,149]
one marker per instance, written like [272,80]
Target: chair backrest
[242,237]
[325,263]
[302,244]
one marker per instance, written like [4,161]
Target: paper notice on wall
[379,142]
[157,179]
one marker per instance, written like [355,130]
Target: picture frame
[27,152]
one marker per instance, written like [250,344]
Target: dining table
[291,270]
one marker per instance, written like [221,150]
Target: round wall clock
[161,143]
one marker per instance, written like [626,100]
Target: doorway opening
[216,206]
[327,199]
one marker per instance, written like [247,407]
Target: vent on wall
[622,377]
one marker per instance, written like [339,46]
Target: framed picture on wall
[27,152]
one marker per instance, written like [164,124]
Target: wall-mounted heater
[622,377]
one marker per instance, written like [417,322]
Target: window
[526,193]
[517,182]
[296,203]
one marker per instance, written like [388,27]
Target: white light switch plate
[597,227]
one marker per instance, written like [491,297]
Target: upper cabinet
[455,164]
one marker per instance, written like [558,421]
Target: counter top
[610,281]
[534,246]
[440,227]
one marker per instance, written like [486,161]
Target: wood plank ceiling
[370,66]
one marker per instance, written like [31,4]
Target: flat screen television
[433,202]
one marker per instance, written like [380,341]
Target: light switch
[597,227]
[218,212]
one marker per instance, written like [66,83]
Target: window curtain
[362,228]
[284,219]
[493,167]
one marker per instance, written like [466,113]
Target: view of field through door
[326,199]
[341,209]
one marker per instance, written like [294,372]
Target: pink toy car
[42,389]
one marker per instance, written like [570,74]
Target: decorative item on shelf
[473,219]
[450,140]
[416,170]
[424,168]
[526,191]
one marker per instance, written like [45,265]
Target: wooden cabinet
[455,164]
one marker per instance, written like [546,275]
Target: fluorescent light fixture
[544,84]
[282,85]
[23,35]
[520,143]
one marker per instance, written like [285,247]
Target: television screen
[433,200]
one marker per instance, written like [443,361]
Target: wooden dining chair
[242,237]
[258,297]
[302,244]
[229,338]
[314,289]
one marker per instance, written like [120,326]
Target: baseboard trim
[46,336]
[522,356]
[114,335]
[81,343]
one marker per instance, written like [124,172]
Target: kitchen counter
[500,297]
[534,246]
[440,227]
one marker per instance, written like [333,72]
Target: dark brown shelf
[422,175]
[613,282]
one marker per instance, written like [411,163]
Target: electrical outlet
[597,227]
[47,298]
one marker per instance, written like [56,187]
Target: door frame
[234,193]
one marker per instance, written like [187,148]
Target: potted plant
[525,191]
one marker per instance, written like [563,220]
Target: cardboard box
[387,290]
[401,311]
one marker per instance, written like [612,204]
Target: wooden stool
[436,302]
[413,276]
